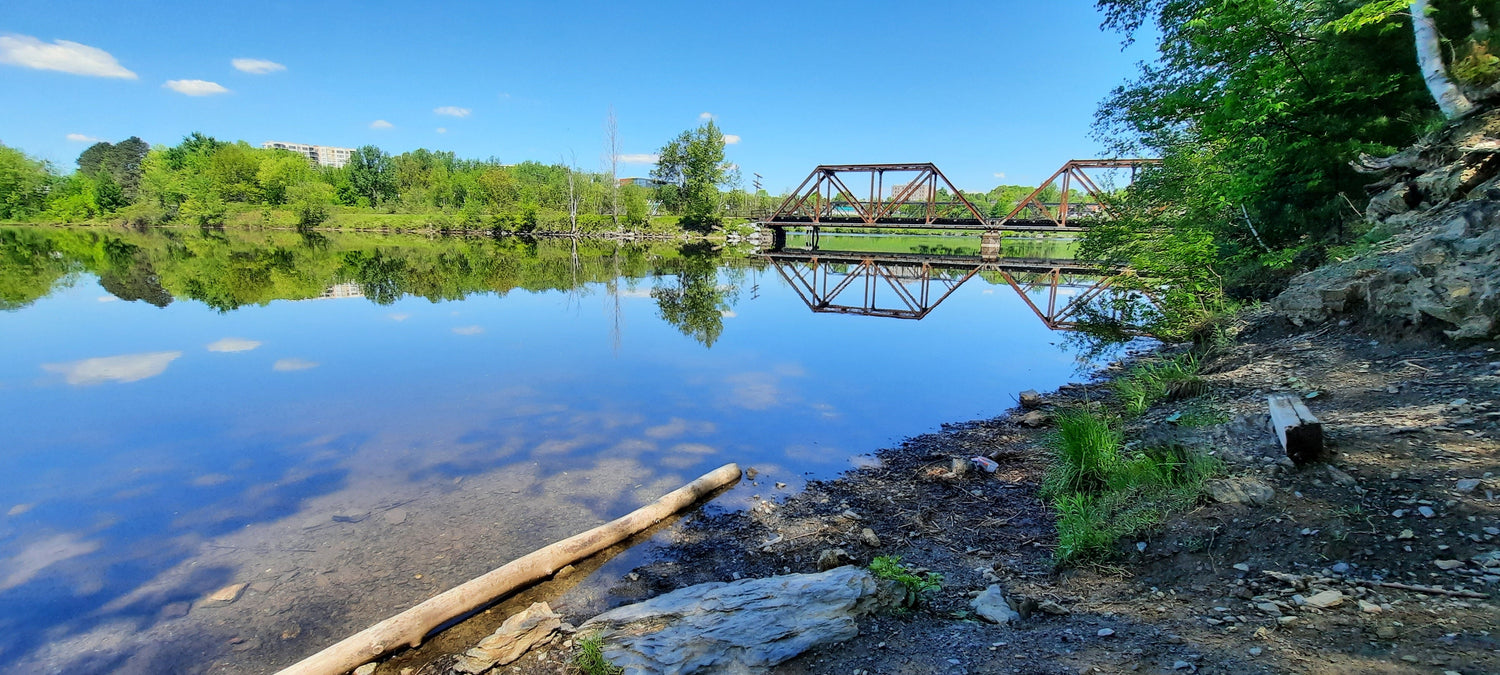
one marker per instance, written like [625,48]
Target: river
[350,423]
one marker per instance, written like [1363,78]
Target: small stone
[1369,607]
[367,669]
[1035,419]
[1182,665]
[175,610]
[224,596]
[564,571]
[1340,568]
[1467,485]
[1326,600]
[1406,534]
[1340,477]
[1269,608]
[1105,632]
[1243,567]
[868,537]
[1030,399]
[291,631]
[1286,620]
[395,516]
[1385,633]
[1448,564]
[833,557]
[1426,511]
[1140,546]
[1247,491]
[1254,651]
[1398,513]
[991,606]
[1051,607]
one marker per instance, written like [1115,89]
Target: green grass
[1154,381]
[589,658]
[917,587]
[1101,492]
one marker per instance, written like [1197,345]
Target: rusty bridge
[1062,293]
[919,196]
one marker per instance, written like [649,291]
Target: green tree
[279,172]
[121,162]
[24,183]
[693,164]
[371,175]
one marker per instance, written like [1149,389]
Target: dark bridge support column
[989,246]
[777,239]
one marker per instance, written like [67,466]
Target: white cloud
[61,55]
[230,344]
[196,87]
[83,138]
[1000,174]
[381,124]
[468,330]
[289,365]
[705,116]
[442,130]
[123,368]
[731,139]
[639,158]
[256,66]
[452,111]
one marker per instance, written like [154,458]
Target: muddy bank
[1371,563]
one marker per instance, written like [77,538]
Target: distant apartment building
[919,193]
[323,155]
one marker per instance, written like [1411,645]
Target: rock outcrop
[1441,267]
[745,626]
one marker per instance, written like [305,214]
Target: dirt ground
[1219,589]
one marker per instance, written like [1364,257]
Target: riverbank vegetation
[1257,110]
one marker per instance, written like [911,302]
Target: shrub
[917,587]
[590,660]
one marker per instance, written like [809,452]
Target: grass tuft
[1153,381]
[917,587]
[590,660]
[1102,492]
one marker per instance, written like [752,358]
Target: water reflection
[315,414]
[911,283]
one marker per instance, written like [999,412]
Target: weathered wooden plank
[1300,433]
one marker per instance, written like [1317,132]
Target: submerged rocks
[740,627]
[224,596]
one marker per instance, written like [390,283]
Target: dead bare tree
[612,147]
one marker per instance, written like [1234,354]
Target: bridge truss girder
[1076,171]
[825,197]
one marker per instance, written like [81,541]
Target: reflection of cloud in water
[815,454]
[678,426]
[230,344]
[635,292]
[398,317]
[123,368]
[727,313]
[468,330]
[40,555]
[289,365]
[210,480]
[107,298]
[753,391]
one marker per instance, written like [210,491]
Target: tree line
[1257,108]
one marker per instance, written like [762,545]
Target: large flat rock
[741,627]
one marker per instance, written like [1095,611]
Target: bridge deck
[962,262]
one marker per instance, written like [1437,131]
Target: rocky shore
[1386,559]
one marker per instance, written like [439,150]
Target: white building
[324,155]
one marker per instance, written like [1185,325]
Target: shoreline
[1221,587]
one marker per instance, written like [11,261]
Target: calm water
[323,416]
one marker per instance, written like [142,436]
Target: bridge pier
[989,246]
[775,238]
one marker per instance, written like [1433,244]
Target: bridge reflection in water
[1062,293]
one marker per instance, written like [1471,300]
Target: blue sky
[980,88]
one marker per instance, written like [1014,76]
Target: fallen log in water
[411,626]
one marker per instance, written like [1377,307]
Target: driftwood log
[410,627]
[1300,433]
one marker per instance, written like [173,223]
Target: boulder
[745,626]
[514,638]
[1030,399]
[1035,418]
[1246,491]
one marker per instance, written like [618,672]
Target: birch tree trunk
[612,132]
[1450,100]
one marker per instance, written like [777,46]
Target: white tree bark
[1450,100]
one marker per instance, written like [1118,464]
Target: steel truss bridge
[910,286]
[919,196]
